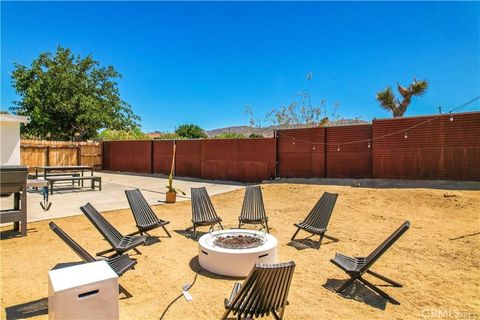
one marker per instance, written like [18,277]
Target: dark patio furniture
[253,209]
[119,242]
[62,171]
[96,182]
[317,220]
[264,291]
[355,267]
[144,216]
[13,179]
[43,184]
[119,264]
[203,212]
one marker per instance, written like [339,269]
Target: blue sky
[204,62]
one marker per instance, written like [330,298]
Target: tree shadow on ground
[28,309]
[358,292]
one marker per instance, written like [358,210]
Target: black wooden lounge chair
[356,267]
[144,216]
[119,242]
[253,209]
[119,264]
[264,291]
[203,212]
[317,220]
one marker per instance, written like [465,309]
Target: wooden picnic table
[65,169]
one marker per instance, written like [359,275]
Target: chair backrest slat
[142,212]
[202,207]
[265,290]
[82,253]
[320,215]
[253,207]
[103,226]
[381,249]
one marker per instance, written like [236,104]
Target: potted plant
[171,194]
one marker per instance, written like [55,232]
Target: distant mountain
[265,131]
[268,131]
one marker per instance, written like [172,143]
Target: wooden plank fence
[60,153]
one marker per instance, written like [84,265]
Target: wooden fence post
[79,159]
[47,154]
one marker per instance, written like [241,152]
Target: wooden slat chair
[119,264]
[264,291]
[317,220]
[143,214]
[355,267]
[119,242]
[253,209]
[203,212]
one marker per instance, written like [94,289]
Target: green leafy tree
[112,135]
[389,102]
[68,97]
[230,135]
[190,131]
[255,136]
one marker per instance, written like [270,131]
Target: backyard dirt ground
[437,260]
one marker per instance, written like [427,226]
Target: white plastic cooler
[85,291]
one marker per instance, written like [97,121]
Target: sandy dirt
[437,260]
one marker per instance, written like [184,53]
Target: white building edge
[10,138]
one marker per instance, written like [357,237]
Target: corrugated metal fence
[219,159]
[432,147]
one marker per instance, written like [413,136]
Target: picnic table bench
[54,174]
[96,181]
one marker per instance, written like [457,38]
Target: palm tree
[389,102]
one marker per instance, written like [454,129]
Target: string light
[389,134]
[313,147]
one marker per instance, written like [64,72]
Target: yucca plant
[389,102]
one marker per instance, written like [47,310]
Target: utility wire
[178,297]
[386,135]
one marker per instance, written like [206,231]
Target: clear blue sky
[204,62]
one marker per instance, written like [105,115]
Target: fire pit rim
[269,241]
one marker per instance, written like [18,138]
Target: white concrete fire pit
[234,252]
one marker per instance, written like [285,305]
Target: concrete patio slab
[66,201]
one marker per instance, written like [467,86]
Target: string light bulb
[451,117]
[293,142]
[338,148]
[313,147]
[369,145]
[406,135]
